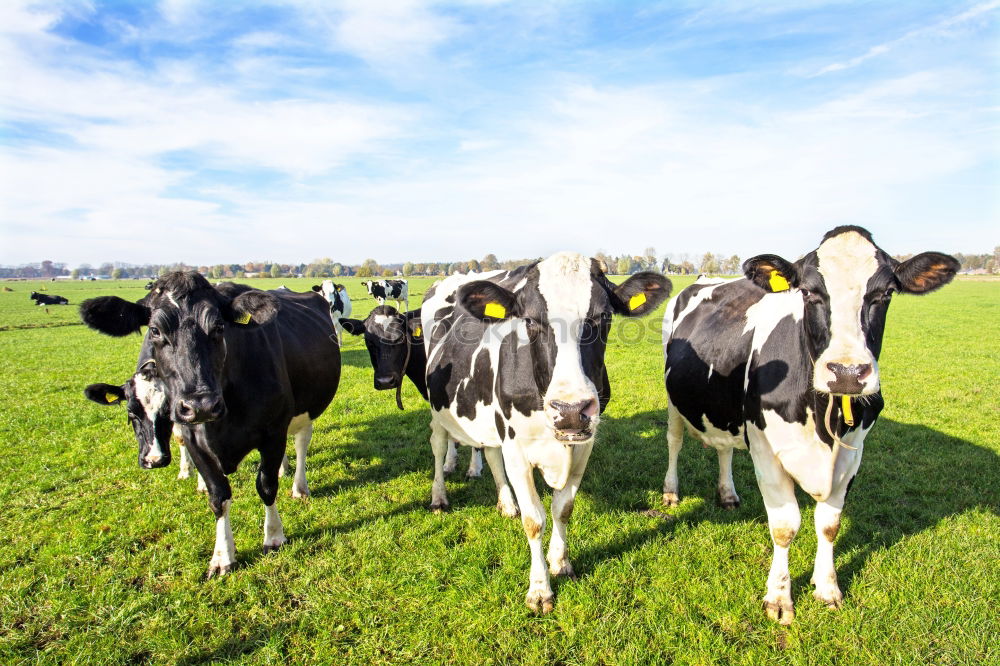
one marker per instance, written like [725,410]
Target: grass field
[101,562]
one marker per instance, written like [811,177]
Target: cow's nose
[573,415]
[200,410]
[385,382]
[847,378]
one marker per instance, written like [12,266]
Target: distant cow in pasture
[785,362]
[396,347]
[45,299]
[383,290]
[340,303]
[515,363]
[242,369]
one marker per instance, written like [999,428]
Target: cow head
[145,399]
[553,360]
[846,285]
[188,321]
[335,295]
[387,334]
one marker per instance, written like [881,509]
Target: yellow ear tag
[418,331]
[243,318]
[495,310]
[111,397]
[636,301]
[845,404]
[778,282]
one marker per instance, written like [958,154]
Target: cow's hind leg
[539,597]
[505,497]
[285,467]
[267,489]
[451,457]
[562,509]
[728,499]
[475,464]
[439,444]
[783,519]
[675,440]
[300,488]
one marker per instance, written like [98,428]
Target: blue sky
[219,131]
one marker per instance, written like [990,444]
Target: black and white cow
[394,356]
[383,290]
[45,299]
[515,364]
[757,362]
[340,303]
[242,369]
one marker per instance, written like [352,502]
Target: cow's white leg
[827,521]
[475,464]
[783,519]
[539,597]
[728,499]
[302,438]
[224,555]
[562,509]
[451,458]
[202,487]
[184,471]
[274,531]
[286,466]
[439,444]
[505,497]
[675,440]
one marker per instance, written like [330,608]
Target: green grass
[102,562]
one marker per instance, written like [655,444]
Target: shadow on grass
[911,478]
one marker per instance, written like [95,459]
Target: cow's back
[310,350]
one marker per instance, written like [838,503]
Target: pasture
[102,562]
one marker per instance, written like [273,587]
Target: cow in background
[45,299]
[340,303]
[383,290]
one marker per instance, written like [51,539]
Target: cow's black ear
[112,315]
[318,289]
[640,294]
[413,324]
[353,326]
[487,301]
[771,272]
[105,394]
[254,308]
[926,272]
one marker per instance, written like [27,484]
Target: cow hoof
[729,503]
[216,569]
[671,499]
[438,506]
[272,547]
[183,474]
[832,599]
[448,468]
[564,569]
[780,611]
[473,474]
[539,601]
[298,493]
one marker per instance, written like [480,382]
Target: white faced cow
[340,303]
[785,362]
[242,368]
[383,290]
[395,345]
[515,363]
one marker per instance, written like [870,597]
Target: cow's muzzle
[199,409]
[847,379]
[154,461]
[573,422]
[384,382]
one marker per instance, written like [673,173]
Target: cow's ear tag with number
[111,398]
[242,318]
[495,310]
[845,404]
[418,331]
[778,282]
[636,301]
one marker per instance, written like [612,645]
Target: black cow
[45,299]
[515,363]
[785,362]
[242,369]
[394,356]
[382,290]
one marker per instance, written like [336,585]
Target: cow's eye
[154,333]
[219,329]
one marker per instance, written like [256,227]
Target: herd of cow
[782,362]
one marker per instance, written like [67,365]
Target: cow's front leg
[184,467]
[475,464]
[300,488]
[783,519]
[827,520]
[439,444]
[505,497]
[562,509]
[675,440]
[220,497]
[267,489]
[539,598]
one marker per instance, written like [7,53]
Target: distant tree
[364,272]
[622,265]
[163,271]
[117,273]
[709,264]
[275,270]
[75,274]
[388,272]
[408,268]
[418,269]
[649,259]
[687,268]
[472,266]
[606,262]
[731,266]
[489,263]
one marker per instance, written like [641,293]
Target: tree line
[623,264]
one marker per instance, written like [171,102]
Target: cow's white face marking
[847,262]
[383,321]
[564,281]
